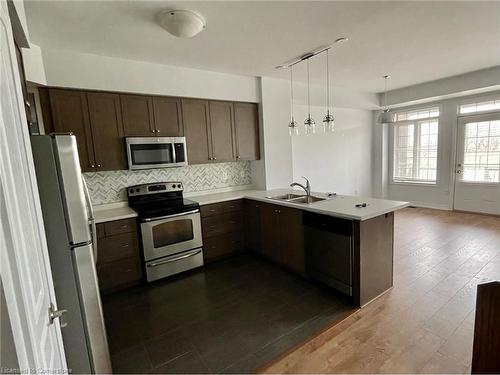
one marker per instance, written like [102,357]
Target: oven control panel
[155,188]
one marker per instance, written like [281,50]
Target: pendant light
[309,123]
[386,116]
[293,127]
[328,120]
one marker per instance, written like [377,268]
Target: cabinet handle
[214,159]
[238,156]
[92,165]
[157,131]
[98,165]
[153,131]
[126,245]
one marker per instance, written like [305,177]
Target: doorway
[477,169]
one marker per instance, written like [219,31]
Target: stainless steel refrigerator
[71,236]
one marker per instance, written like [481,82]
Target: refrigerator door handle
[90,210]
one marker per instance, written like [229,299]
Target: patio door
[477,183]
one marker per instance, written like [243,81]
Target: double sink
[297,198]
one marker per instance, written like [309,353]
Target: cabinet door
[291,239]
[137,113]
[252,226]
[168,116]
[70,114]
[197,130]
[246,126]
[221,126]
[107,131]
[269,233]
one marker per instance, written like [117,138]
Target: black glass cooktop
[159,208]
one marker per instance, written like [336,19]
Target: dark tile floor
[233,316]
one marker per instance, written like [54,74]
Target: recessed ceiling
[413,41]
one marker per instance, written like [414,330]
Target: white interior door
[477,183]
[24,260]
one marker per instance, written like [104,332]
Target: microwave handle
[174,155]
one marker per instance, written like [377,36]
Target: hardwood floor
[424,324]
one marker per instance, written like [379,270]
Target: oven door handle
[155,264]
[169,216]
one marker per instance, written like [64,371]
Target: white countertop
[112,212]
[343,206]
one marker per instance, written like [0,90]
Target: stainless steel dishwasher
[329,250]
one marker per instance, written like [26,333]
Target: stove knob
[179,186]
[173,186]
[131,191]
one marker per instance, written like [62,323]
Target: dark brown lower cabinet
[222,227]
[282,236]
[119,263]
[251,221]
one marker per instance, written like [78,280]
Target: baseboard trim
[430,205]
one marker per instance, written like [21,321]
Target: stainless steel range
[170,228]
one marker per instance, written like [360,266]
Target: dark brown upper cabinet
[138,117]
[197,130]
[107,131]
[168,116]
[221,127]
[215,131]
[246,129]
[69,110]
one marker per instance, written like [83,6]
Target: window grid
[415,151]
[482,152]
[489,105]
[418,114]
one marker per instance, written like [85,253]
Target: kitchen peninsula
[354,244]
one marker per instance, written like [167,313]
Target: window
[415,146]
[482,152]
[489,105]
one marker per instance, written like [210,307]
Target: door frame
[455,151]
[17,283]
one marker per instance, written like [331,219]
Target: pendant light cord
[327,84]
[308,92]
[291,92]
[385,93]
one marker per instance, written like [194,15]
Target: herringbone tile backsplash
[109,187]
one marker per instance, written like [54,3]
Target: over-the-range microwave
[156,152]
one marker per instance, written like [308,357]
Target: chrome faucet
[306,188]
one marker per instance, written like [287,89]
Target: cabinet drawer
[120,273]
[220,246]
[117,247]
[221,224]
[100,231]
[220,208]
[120,226]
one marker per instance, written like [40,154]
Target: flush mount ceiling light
[386,116]
[182,23]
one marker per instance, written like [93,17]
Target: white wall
[33,64]
[338,162]
[88,71]
[441,195]
[275,168]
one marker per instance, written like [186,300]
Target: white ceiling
[413,41]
